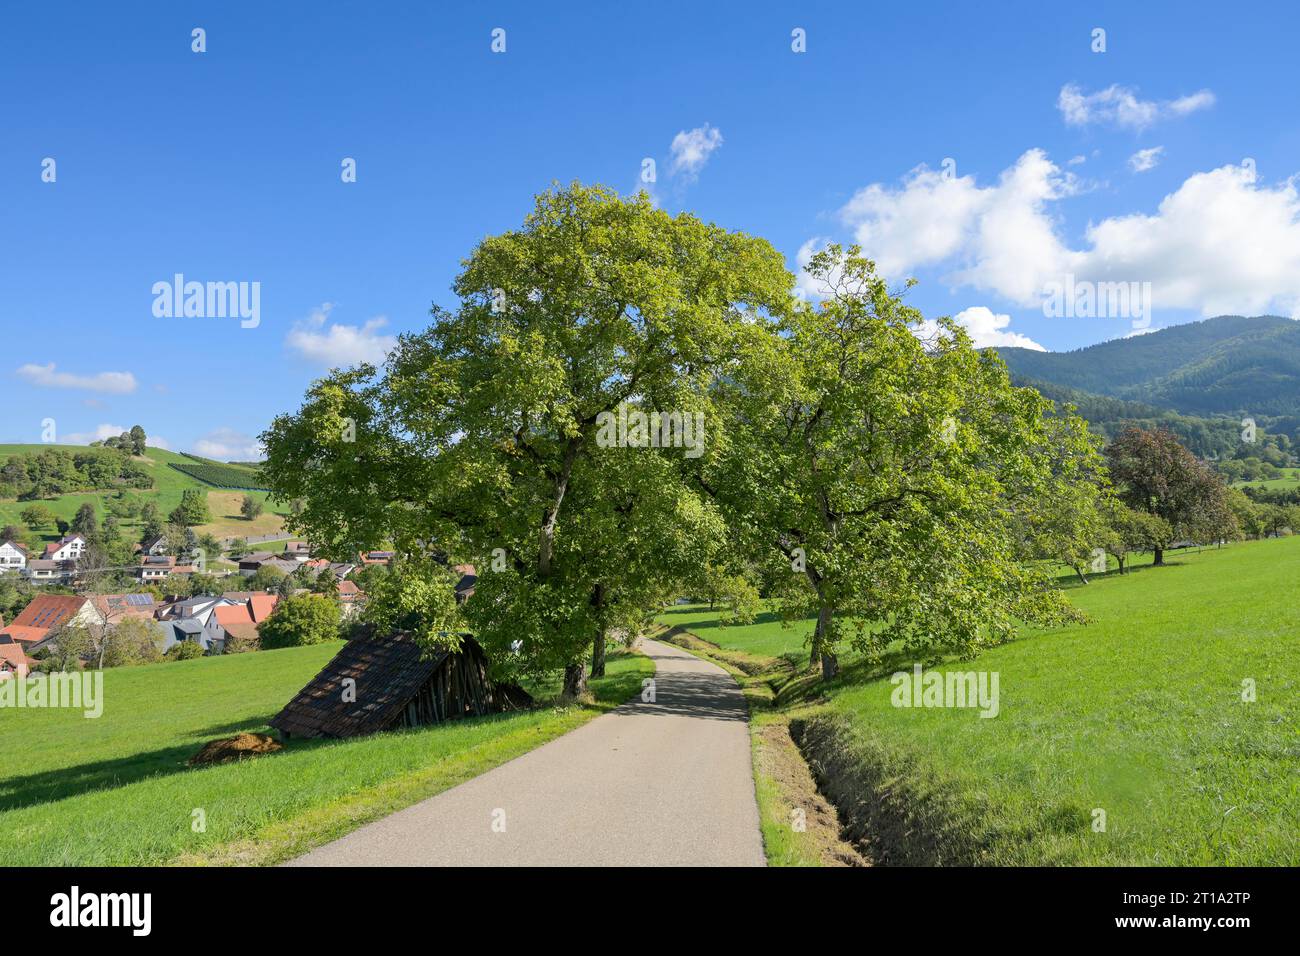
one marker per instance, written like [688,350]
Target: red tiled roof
[28,635]
[49,610]
[16,658]
[229,615]
[124,605]
[261,605]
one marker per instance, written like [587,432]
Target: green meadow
[166,494]
[1124,741]
[117,791]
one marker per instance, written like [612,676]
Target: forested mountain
[1199,380]
[1231,366]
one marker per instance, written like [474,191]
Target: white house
[70,548]
[13,557]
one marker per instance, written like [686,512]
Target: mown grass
[1139,714]
[1287,481]
[116,790]
[765,636]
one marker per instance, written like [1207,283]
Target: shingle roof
[389,671]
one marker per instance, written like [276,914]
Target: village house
[376,557]
[41,571]
[13,557]
[69,548]
[338,569]
[113,608]
[238,621]
[351,598]
[155,546]
[183,630]
[47,612]
[155,567]
[297,550]
[250,564]
[14,661]
[198,607]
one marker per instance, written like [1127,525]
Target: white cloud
[1001,232]
[1121,106]
[226,444]
[114,383]
[1220,243]
[99,434]
[157,441]
[1201,100]
[336,345]
[692,149]
[986,328]
[1145,159]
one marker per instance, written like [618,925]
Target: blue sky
[225,166]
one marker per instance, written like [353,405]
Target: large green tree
[299,620]
[480,437]
[895,469]
[192,510]
[1153,472]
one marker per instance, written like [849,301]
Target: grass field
[1139,714]
[1289,481]
[166,493]
[116,790]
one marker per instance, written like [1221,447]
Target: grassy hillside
[1289,481]
[169,482]
[116,790]
[1139,714]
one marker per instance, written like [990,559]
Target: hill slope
[1231,365]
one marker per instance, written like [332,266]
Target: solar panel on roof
[139,599]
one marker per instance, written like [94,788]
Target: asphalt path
[653,783]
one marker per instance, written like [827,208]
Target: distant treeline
[1219,438]
[59,471]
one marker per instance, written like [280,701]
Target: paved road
[649,784]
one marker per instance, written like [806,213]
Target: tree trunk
[1159,558]
[598,642]
[546,547]
[1079,572]
[575,680]
[830,666]
[823,644]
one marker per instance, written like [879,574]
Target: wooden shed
[383,682]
